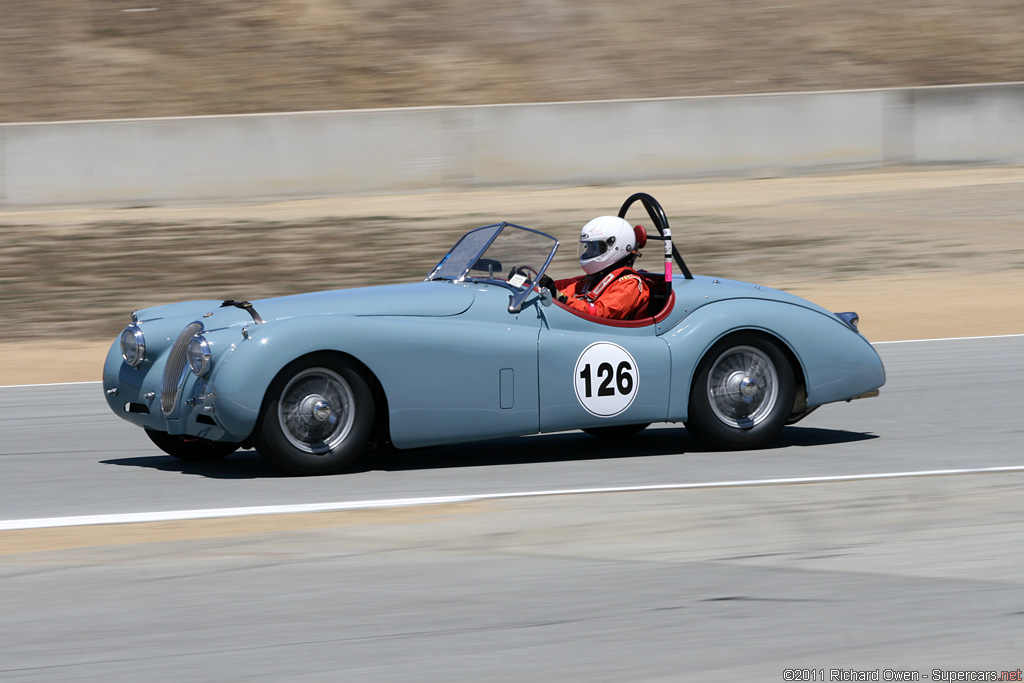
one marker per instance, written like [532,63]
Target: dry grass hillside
[87,59]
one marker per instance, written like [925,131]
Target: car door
[593,374]
[460,378]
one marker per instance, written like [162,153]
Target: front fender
[250,360]
[449,379]
[244,373]
[836,362]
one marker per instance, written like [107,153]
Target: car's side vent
[177,367]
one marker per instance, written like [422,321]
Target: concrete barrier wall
[217,158]
[968,124]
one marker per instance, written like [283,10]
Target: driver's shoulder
[628,273]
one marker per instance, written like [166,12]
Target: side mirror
[545,297]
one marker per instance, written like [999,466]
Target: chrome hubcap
[322,411]
[749,388]
[743,387]
[316,410]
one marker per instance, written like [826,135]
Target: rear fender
[836,362]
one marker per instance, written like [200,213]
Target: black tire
[316,417]
[742,394]
[191,448]
[618,431]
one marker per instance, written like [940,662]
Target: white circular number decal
[606,379]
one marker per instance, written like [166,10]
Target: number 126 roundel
[607,379]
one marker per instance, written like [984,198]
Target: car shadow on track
[523,450]
[239,465]
[578,446]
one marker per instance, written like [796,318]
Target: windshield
[508,254]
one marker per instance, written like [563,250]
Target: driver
[610,288]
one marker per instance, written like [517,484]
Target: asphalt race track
[743,579]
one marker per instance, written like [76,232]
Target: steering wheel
[529,272]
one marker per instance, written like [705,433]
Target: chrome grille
[176,369]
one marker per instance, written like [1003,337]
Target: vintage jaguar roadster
[476,351]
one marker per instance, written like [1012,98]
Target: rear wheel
[191,448]
[316,418]
[742,394]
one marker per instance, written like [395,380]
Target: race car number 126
[606,379]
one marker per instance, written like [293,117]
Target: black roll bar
[657,215]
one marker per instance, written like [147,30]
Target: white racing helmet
[604,242]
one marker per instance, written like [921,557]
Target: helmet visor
[592,249]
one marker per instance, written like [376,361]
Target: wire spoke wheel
[316,417]
[742,393]
[316,410]
[743,387]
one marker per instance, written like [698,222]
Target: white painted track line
[51,384]
[942,339]
[179,515]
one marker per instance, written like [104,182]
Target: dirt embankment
[918,253]
[68,59]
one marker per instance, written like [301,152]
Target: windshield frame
[519,293]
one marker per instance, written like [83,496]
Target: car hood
[426,299]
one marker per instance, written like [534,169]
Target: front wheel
[191,448]
[316,418]
[742,394]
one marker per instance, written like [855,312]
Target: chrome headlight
[198,354]
[133,345]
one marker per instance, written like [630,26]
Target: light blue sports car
[479,350]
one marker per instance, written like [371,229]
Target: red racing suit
[621,294]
